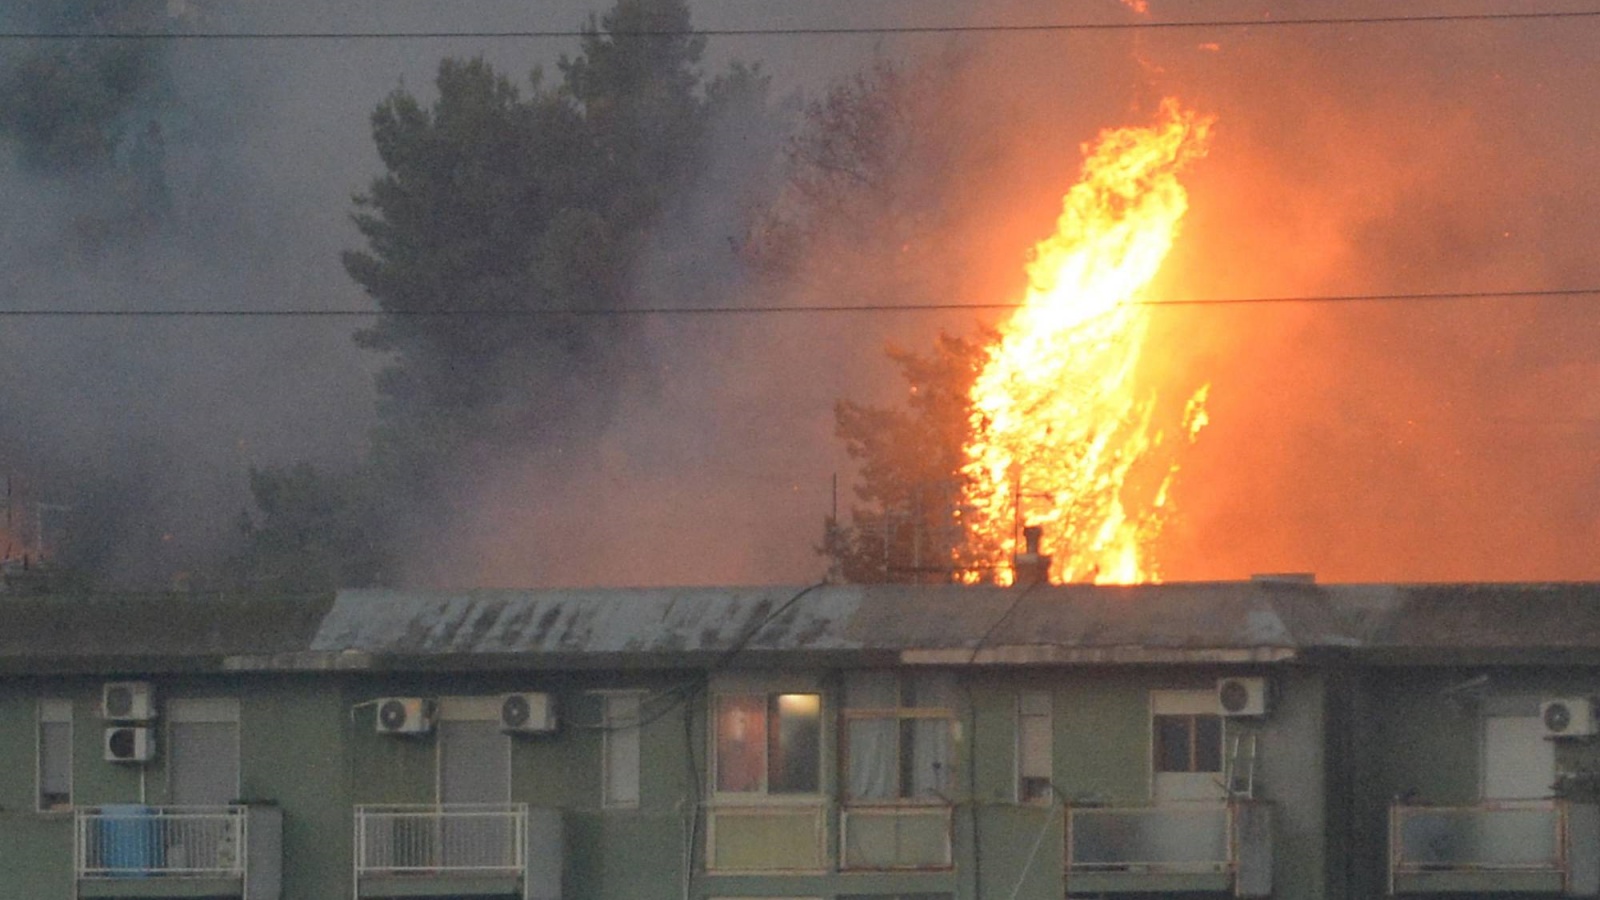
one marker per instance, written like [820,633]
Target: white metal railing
[482,838]
[1505,836]
[136,841]
[1168,838]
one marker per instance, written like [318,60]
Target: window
[619,787]
[1188,743]
[474,759]
[1034,747]
[899,736]
[1185,746]
[767,809]
[55,754]
[474,754]
[203,767]
[768,743]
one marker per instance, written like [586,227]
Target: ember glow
[1065,427]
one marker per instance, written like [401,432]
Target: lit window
[900,737]
[768,743]
[1034,747]
[55,754]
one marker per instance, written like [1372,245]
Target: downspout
[691,837]
[972,786]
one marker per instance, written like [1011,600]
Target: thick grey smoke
[146,428]
[1441,440]
[1371,441]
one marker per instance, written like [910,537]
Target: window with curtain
[769,743]
[55,754]
[899,737]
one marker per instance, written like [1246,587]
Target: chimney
[1284,578]
[1031,566]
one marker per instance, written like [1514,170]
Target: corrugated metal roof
[1462,616]
[640,620]
[1222,622]
[113,627]
[830,618]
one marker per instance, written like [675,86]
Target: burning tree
[1055,424]
[1066,433]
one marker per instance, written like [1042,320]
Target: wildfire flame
[1063,427]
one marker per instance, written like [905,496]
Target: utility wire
[820,309]
[867,30]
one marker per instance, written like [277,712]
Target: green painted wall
[35,849]
[1102,730]
[292,753]
[308,744]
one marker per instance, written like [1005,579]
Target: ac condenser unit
[527,714]
[1242,696]
[1565,717]
[130,744]
[127,701]
[405,715]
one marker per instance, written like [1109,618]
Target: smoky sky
[1443,440]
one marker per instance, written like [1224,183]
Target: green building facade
[1272,738]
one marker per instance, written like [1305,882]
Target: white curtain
[894,756]
[931,758]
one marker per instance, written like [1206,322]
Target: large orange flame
[1063,432]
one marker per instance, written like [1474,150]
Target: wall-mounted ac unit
[1242,696]
[127,701]
[130,743]
[1565,717]
[527,714]
[405,715]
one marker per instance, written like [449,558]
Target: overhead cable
[812,31]
[817,309]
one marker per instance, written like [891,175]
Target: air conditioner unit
[527,714]
[1565,717]
[405,715]
[130,743]
[127,701]
[1242,696]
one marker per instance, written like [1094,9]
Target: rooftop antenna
[5,552]
[39,509]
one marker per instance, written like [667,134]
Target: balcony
[1516,846]
[480,850]
[765,838]
[1199,847]
[896,837]
[179,851]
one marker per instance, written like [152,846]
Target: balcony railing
[1514,835]
[779,837]
[896,837]
[485,839]
[1202,847]
[135,841]
[1179,837]
[1540,845]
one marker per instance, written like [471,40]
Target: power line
[863,30]
[707,311]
